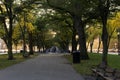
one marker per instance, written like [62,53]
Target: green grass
[114,61]
[85,66]
[4,62]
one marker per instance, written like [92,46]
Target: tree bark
[104,12]
[16,47]
[30,44]
[8,40]
[74,42]
[98,50]
[78,24]
[10,54]
[105,43]
[91,46]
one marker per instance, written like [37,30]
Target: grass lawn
[5,63]
[84,67]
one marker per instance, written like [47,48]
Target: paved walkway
[43,67]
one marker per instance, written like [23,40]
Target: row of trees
[30,25]
[82,12]
[15,13]
[70,17]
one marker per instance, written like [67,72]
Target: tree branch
[60,8]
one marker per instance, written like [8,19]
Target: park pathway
[43,67]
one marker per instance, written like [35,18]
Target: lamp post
[118,35]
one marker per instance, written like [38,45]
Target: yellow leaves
[92,32]
[113,24]
[16,33]
[117,20]
[30,17]
[118,15]
[30,27]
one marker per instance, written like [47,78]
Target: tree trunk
[104,12]
[38,48]
[105,43]
[91,46]
[98,50]
[10,54]
[24,42]
[8,40]
[8,31]
[16,47]
[78,24]
[38,42]
[74,42]
[30,44]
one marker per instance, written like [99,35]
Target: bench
[106,73]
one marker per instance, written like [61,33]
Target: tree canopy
[57,22]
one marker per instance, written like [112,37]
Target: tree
[27,29]
[93,32]
[25,20]
[6,9]
[105,7]
[30,30]
[40,34]
[79,11]
[63,35]
[112,26]
[63,28]
[16,36]
[68,25]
